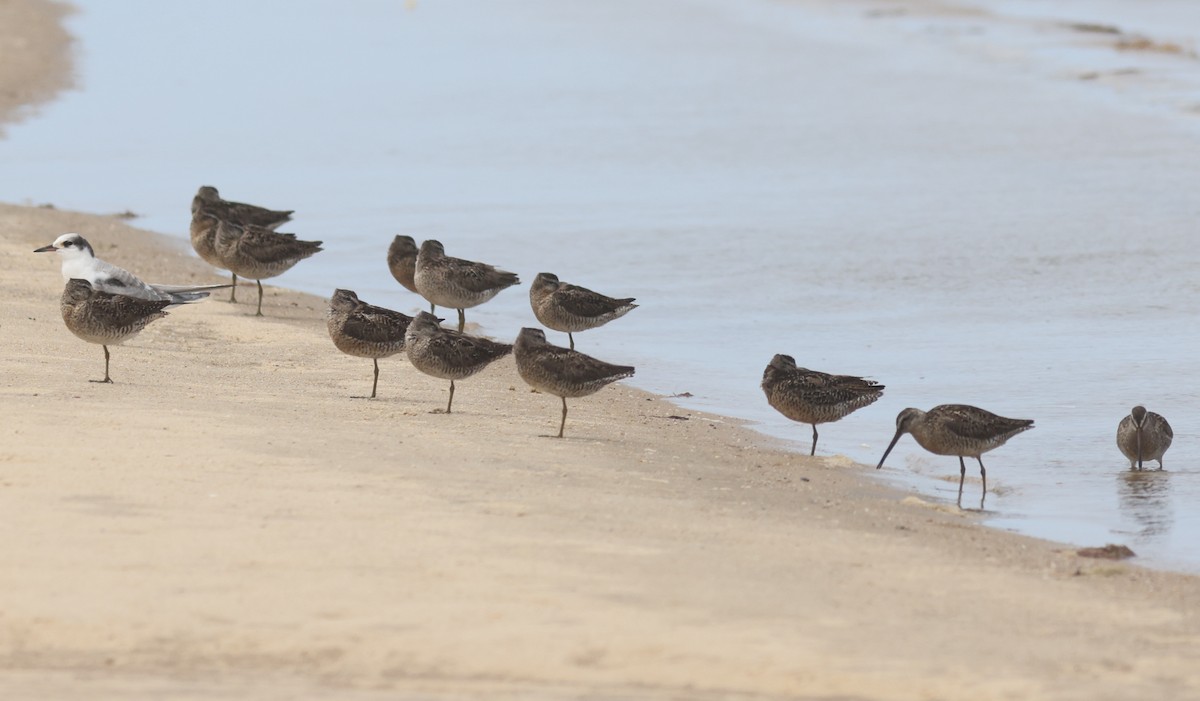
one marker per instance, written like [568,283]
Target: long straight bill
[889,448]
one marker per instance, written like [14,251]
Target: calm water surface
[955,206]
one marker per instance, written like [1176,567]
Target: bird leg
[106,379]
[233,289]
[259,312]
[432,308]
[814,446]
[462,319]
[983,474]
[962,475]
[375,383]
[563,425]
[451,397]
[571,338]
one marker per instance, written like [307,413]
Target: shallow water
[939,201]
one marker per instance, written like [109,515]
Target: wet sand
[225,520]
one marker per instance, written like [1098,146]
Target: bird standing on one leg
[813,397]
[561,371]
[447,354]
[570,308]
[364,330]
[257,253]
[105,318]
[456,283]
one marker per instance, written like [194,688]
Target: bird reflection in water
[1145,498]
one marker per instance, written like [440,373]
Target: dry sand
[224,521]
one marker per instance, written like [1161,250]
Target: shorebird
[813,397]
[364,330]
[1144,436]
[79,262]
[257,253]
[105,318]
[561,371]
[239,213]
[457,283]
[203,233]
[402,261]
[570,308]
[957,429]
[447,354]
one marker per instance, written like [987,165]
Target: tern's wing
[119,281]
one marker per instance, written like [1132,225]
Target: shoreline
[226,519]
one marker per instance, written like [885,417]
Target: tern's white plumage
[79,262]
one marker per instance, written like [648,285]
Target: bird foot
[105,381]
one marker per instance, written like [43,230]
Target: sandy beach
[226,521]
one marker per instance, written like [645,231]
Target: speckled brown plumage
[1143,436]
[813,397]
[456,283]
[364,330]
[107,319]
[957,429]
[257,253]
[561,371]
[446,354]
[239,213]
[402,261]
[569,308]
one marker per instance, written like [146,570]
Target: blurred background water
[991,203]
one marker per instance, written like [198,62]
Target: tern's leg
[563,425]
[259,312]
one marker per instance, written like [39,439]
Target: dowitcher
[569,308]
[105,318]
[562,372]
[813,397]
[402,261]
[457,283]
[957,429]
[79,262]
[447,354]
[239,213]
[203,233]
[364,330]
[258,253]
[1144,436]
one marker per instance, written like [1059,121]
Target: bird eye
[68,243]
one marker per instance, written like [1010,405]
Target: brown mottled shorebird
[1144,436]
[104,318]
[402,261]
[203,233]
[364,330]
[457,283]
[957,429]
[569,308]
[257,253]
[239,213]
[447,354]
[813,397]
[561,371]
